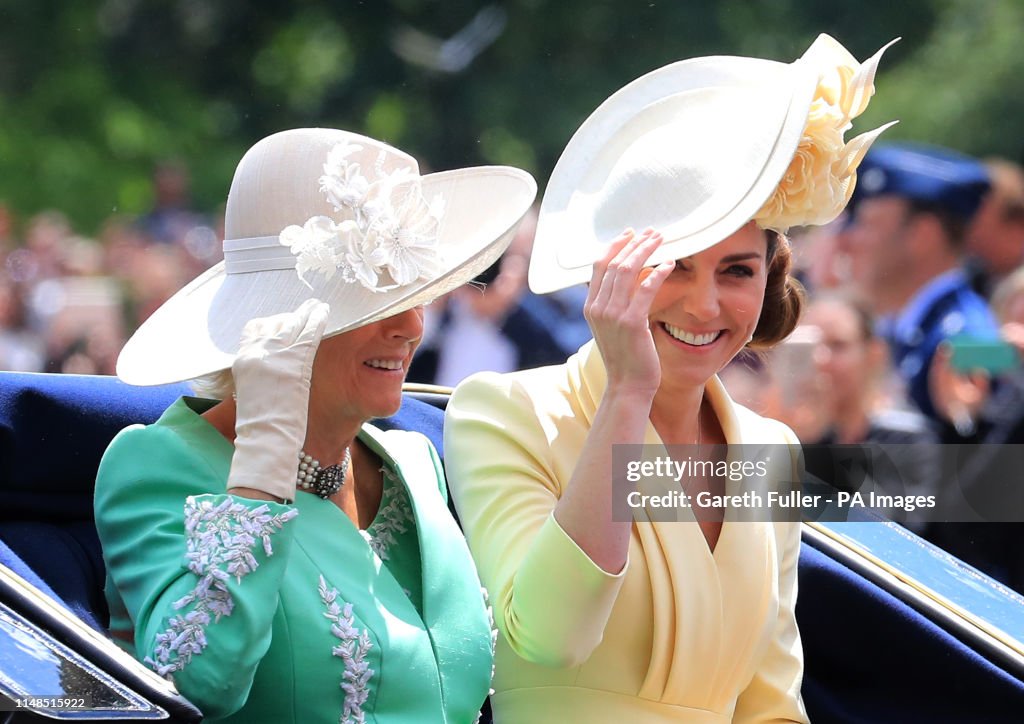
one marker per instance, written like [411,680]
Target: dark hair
[784,296]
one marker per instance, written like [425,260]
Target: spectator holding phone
[986,403]
[965,369]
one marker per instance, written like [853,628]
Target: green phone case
[991,355]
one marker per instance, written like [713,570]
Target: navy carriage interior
[894,629]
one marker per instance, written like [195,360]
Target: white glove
[272,375]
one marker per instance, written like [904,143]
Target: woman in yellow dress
[603,617]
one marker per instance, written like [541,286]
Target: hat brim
[575,223]
[197,331]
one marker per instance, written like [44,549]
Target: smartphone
[979,353]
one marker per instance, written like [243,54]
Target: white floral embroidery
[494,634]
[394,516]
[390,229]
[353,649]
[219,541]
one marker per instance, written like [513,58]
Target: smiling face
[708,308]
[359,374]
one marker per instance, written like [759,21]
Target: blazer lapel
[453,610]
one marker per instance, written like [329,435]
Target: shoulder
[528,419]
[536,382]
[539,392]
[964,311]
[140,443]
[172,449]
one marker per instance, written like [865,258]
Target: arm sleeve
[773,695]
[198,570]
[551,601]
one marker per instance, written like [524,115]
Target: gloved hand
[272,376]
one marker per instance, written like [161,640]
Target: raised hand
[622,290]
[272,378]
[956,397]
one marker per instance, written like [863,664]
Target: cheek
[665,297]
[745,305]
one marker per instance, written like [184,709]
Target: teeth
[697,340]
[385,364]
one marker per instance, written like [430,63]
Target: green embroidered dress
[262,612]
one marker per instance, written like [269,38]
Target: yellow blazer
[681,634]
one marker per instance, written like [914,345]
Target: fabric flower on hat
[342,181]
[821,177]
[405,240]
[319,245]
[391,229]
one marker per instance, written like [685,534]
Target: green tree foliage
[94,92]
[964,87]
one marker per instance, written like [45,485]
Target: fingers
[313,319]
[957,396]
[617,245]
[305,325]
[1013,332]
[601,265]
[981,381]
[616,275]
[653,278]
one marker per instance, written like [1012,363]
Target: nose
[405,326]
[701,299]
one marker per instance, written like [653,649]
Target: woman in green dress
[268,585]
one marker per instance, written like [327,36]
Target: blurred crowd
[912,342]
[68,302]
[928,259]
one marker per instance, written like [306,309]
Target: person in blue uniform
[905,243]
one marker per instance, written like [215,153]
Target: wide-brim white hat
[332,215]
[696,149]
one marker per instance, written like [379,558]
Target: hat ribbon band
[256,254]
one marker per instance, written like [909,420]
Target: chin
[683,374]
[385,406]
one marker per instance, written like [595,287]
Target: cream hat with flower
[698,148]
[332,215]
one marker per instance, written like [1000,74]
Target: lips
[693,339]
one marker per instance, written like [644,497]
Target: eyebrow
[740,257]
[732,258]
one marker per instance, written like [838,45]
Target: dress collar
[588,380]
